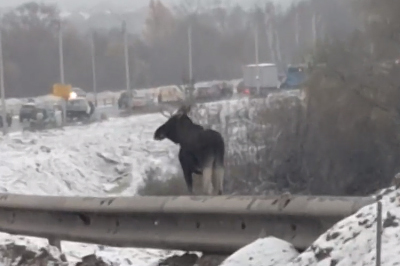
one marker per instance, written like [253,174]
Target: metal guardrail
[220,224]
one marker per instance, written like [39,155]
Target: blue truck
[296,75]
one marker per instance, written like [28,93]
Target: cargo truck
[267,78]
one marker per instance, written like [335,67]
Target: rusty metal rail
[220,224]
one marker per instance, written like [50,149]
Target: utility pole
[94,68]
[278,46]
[190,63]
[190,53]
[297,29]
[314,28]
[61,59]
[257,59]
[127,71]
[3,97]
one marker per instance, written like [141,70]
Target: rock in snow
[269,251]
[16,254]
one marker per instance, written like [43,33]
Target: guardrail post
[379,231]
[55,242]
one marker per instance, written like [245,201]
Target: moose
[201,150]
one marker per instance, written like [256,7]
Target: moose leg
[197,183]
[189,180]
[218,172]
[187,172]
[207,177]
[218,179]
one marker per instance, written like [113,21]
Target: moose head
[175,126]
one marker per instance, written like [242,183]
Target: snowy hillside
[102,159]
[107,158]
[98,159]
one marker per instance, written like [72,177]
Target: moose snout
[158,136]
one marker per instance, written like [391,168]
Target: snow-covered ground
[75,251]
[269,251]
[104,158]
[108,158]
[351,241]
[111,158]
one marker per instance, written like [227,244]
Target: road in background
[108,111]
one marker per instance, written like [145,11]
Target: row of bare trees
[223,40]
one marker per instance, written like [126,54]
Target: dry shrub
[351,134]
[154,184]
[103,117]
[272,141]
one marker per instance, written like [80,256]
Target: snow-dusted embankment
[98,159]
[351,241]
[107,158]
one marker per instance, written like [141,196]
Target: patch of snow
[75,251]
[269,251]
[107,158]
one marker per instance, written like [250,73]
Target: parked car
[27,112]
[79,92]
[170,94]
[79,108]
[31,111]
[45,118]
[226,89]
[137,100]
[123,100]
[212,90]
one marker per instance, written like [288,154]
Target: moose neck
[187,133]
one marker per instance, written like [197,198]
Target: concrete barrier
[220,224]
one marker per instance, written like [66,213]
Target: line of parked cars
[38,116]
[141,99]
[48,114]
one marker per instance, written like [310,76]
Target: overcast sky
[73,4]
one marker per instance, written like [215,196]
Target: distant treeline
[223,41]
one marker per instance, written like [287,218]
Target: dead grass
[154,184]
